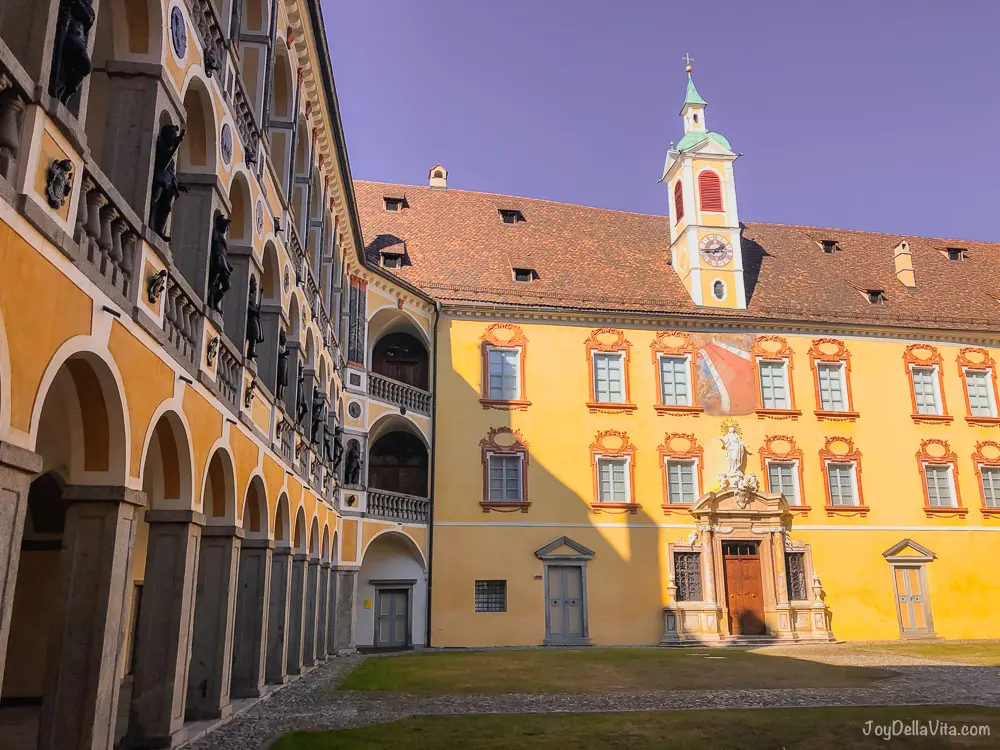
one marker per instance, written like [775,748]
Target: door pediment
[908,551]
[736,503]
[564,548]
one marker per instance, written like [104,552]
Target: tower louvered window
[710,191]
[678,201]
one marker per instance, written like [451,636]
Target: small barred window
[795,567]
[687,576]
[491,596]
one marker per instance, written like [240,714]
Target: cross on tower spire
[687,61]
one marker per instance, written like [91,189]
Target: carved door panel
[744,589]
[911,601]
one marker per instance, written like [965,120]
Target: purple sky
[880,114]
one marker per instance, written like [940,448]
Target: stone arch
[407,541]
[392,556]
[80,419]
[294,317]
[167,476]
[314,540]
[282,83]
[255,509]
[198,149]
[218,494]
[310,348]
[395,423]
[299,537]
[388,320]
[271,282]
[325,549]
[282,528]
[335,547]
[241,210]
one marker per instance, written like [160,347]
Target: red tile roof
[458,250]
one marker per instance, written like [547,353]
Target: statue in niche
[219,269]
[318,415]
[334,446]
[255,334]
[70,61]
[301,405]
[282,381]
[352,467]
[166,188]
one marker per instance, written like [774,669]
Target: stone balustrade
[229,375]
[182,319]
[400,394]
[286,434]
[395,506]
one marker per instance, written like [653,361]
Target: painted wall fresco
[724,374]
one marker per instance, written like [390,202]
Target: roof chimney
[438,177]
[904,265]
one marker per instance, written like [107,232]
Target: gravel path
[313,702]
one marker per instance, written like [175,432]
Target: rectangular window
[795,567]
[491,596]
[991,485]
[925,390]
[978,384]
[831,386]
[609,380]
[505,479]
[504,364]
[842,485]
[675,376]
[612,480]
[783,478]
[773,385]
[687,576]
[939,490]
[680,482]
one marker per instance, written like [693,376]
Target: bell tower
[704,223]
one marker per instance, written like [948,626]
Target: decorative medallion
[286,281]
[354,410]
[226,143]
[178,31]
[259,217]
[249,393]
[155,286]
[212,351]
[715,250]
[59,182]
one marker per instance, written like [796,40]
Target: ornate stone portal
[740,523]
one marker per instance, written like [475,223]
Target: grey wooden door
[392,618]
[565,603]
[914,613]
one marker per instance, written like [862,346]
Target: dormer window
[830,246]
[525,275]
[875,296]
[394,204]
[391,261]
[511,216]
[956,253]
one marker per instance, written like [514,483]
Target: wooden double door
[566,620]
[911,601]
[744,588]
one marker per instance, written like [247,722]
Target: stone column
[331,615]
[163,634]
[214,616]
[250,633]
[234,304]
[296,613]
[777,540]
[191,222]
[291,392]
[17,469]
[89,623]
[276,669]
[347,591]
[708,544]
[267,352]
[311,618]
[309,383]
[323,607]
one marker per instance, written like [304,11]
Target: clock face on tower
[715,250]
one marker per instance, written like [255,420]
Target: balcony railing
[230,376]
[181,320]
[395,506]
[400,394]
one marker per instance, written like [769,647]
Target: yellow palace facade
[254,413]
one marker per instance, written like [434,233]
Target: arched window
[678,201]
[710,191]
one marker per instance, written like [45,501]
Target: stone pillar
[17,469]
[276,669]
[347,591]
[296,613]
[291,392]
[309,383]
[331,615]
[234,304]
[708,544]
[323,606]
[311,618]
[163,634]
[250,633]
[777,540]
[89,623]
[214,616]
[191,222]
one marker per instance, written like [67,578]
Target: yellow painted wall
[627,578]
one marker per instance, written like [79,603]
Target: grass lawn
[599,670]
[985,653]
[767,729]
